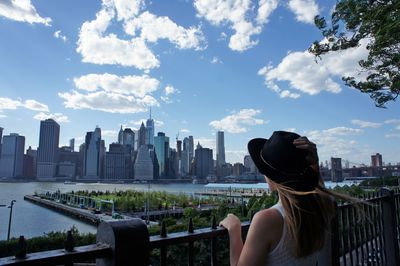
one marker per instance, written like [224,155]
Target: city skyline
[200,71]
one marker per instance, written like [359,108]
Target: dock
[81,214]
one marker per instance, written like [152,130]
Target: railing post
[389,227]
[334,238]
[129,241]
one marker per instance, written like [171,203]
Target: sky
[239,66]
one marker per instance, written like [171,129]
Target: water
[31,220]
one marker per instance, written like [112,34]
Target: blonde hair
[308,215]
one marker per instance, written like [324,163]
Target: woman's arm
[264,234]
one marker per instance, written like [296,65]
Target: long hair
[308,216]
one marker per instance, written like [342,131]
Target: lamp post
[9,221]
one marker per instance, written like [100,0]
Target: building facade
[93,155]
[143,164]
[49,137]
[203,161]
[12,156]
[336,170]
[161,147]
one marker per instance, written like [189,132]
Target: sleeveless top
[281,254]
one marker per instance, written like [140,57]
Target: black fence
[368,234]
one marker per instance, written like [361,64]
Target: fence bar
[389,225]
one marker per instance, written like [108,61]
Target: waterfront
[31,220]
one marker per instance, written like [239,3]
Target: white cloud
[10,104]
[205,143]
[237,122]
[169,90]
[153,28]
[392,121]
[107,101]
[97,47]
[304,75]
[59,117]
[138,86]
[339,142]
[305,10]
[365,124]
[109,133]
[235,156]
[157,123]
[111,93]
[35,105]
[392,135]
[216,60]
[184,130]
[58,35]
[23,11]
[236,14]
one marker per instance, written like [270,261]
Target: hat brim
[255,147]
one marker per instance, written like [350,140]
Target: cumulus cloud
[365,124]
[98,47]
[138,86]
[304,75]
[169,90]
[238,122]
[23,11]
[216,60]
[58,35]
[137,123]
[111,93]
[339,142]
[107,101]
[305,10]
[236,14]
[10,104]
[184,130]
[392,121]
[152,28]
[59,117]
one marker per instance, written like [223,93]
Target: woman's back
[282,253]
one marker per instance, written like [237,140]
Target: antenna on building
[177,136]
[150,112]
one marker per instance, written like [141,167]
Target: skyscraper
[12,159]
[141,136]
[93,155]
[48,149]
[220,149]
[336,170]
[143,164]
[204,164]
[149,131]
[161,146]
[72,144]
[376,160]
[128,138]
[1,138]
[120,136]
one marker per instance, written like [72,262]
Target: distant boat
[69,183]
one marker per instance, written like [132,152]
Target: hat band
[279,171]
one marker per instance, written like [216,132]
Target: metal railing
[355,241]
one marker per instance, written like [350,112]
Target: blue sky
[234,65]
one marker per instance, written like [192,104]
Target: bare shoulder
[269,224]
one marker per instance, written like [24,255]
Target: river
[32,220]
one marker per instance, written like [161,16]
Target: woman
[295,231]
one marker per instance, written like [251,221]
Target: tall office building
[185,162]
[161,147]
[336,170]
[220,149]
[93,155]
[128,138]
[143,164]
[30,162]
[249,164]
[149,131]
[1,138]
[141,136]
[48,149]
[116,161]
[376,160]
[12,159]
[72,144]
[203,162]
[121,135]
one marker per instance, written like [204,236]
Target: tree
[378,22]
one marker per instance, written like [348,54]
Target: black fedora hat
[280,160]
